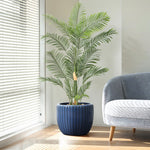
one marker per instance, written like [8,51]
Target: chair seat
[128,108]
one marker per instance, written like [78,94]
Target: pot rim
[64,104]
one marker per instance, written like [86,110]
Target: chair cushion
[128,108]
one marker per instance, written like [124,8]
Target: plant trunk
[75,91]
[75,87]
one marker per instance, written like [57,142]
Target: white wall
[110,55]
[136,36]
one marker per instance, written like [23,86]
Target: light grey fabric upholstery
[126,101]
[138,109]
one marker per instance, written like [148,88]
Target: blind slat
[19,65]
[24,8]
[30,120]
[17,50]
[17,99]
[34,92]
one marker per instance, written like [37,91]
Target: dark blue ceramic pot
[75,119]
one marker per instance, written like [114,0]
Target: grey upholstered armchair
[126,102]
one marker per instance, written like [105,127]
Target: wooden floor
[52,139]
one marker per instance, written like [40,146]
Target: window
[19,65]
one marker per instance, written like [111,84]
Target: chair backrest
[136,86]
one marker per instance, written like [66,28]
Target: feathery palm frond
[71,60]
[79,97]
[53,80]
[83,88]
[104,37]
[77,53]
[93,71]
[82,17]
[89,57]
[74,16]
[94,23]
[69,68]
[56,64]
[60,42]
[68,90]
[61,25]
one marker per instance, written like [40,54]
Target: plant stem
[74,74]
[75,90]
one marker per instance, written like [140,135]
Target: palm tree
[76,51]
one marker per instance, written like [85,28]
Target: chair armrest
[112,90]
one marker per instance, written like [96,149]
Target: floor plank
[97,139]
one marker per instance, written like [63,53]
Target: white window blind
[19,65]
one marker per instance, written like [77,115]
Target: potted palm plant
[73,62]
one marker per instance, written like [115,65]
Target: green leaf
[73,19]
[53,80]
[61,25]
[71,61]
[60,42]
[89,57]
[82,18]
[68,89]
[56,63]
[94,71]
[78,97]
[75,88]
[93,23]
[83,88]
[104,37]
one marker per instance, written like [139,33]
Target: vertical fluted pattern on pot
[75,119]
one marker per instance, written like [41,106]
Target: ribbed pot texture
[75,119]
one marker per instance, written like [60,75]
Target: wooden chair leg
[133,130]
[111,134]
